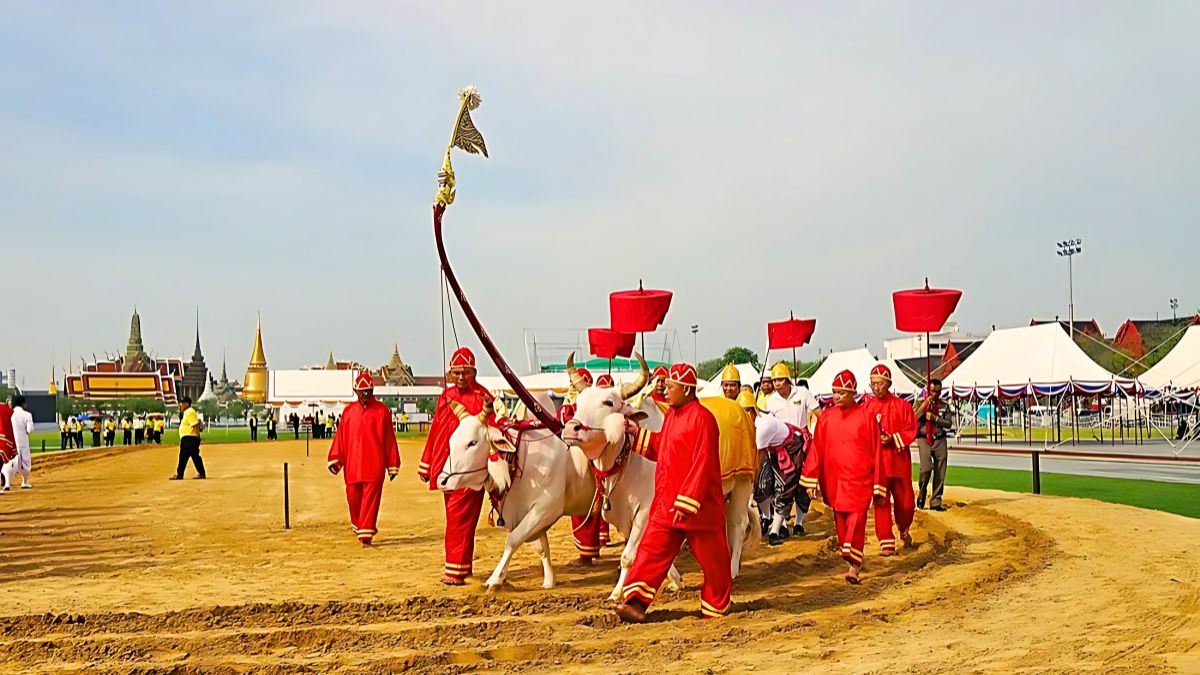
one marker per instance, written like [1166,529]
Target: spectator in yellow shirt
[189,439]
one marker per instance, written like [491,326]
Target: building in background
[255,388]
[913,346]
[195,376]
[132,375]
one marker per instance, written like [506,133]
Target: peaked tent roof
[858,361]
[1180,368]
[1040,355]
[902,384]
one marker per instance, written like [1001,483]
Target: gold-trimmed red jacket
[687,478]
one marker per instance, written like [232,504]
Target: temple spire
[254,387]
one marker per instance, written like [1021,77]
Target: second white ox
[598,428]
[552,481]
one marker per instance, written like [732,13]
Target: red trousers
[590,534]
[462,516]
[656,552]
[363,499]
[900,496]
[852,534]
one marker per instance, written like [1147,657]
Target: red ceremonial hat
[660,371]
[462,357]
[585,374]
[605,381]
[882,371]
[683,373]
[363,381]
[845,380]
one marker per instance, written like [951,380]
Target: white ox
[554,481]
[598,428]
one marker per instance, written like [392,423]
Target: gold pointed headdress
[465,137]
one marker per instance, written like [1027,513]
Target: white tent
[1041,356]
[557,383]
[746,371]
[303,391]
[902,384]
[1180,368]
[858,361]
[309,386]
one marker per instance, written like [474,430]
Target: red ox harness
[618,466]
[506,450]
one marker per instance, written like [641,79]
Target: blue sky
[281,156]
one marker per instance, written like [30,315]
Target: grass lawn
[1180,498]
[171,437]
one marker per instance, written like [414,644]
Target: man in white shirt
[796,405]
[791,403]
[22,423]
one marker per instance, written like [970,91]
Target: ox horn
[634,387]
[460,411]
[577,383]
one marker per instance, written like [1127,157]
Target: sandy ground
[107,566]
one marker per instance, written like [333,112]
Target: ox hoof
[548,585]
[495,584]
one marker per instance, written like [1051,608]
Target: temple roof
[258,358]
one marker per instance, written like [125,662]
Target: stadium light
[1068,249]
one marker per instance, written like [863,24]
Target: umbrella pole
[927,367]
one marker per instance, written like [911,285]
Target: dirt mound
[138,574]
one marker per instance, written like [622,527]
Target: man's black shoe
[939,507]
[798,530]
[774,540]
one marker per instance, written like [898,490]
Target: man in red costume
[365,447]
[897,431]
[659,375]
[462,506]
[8,439]
[689,503]
[843,463]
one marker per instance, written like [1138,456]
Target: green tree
[741,355]
[209,409]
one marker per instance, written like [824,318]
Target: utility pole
[1068,249]
[695,344]
[1174,308]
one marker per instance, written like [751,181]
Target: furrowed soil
[106,566]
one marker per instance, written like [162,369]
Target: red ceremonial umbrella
[609,344]
[924,310]
[638,311]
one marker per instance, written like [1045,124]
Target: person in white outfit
[22,423]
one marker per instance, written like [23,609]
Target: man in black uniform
[934,420]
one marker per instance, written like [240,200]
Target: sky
[281,157]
